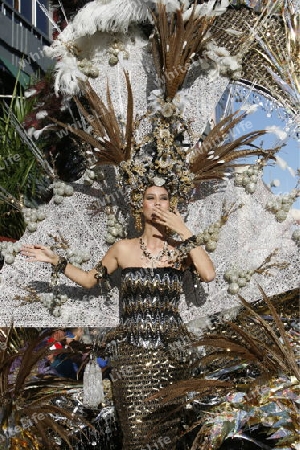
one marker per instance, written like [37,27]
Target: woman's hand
[45,254]
[39,253]
[172,220]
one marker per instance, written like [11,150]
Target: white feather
[29,93]
[68,76]
[173,5]
[281,162]
[292,171]
[36,134]
[30,131]
[41,114]
[113,17]
[207,9]
[276,130]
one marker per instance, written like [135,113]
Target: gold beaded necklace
[154,259]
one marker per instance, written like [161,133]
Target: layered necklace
[154,259]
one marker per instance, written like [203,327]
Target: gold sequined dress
[148,352]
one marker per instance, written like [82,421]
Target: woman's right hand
[39,253]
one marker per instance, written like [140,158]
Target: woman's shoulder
[126,243]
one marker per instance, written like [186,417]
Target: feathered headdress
[168,154]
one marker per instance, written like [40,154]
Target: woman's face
[154,197]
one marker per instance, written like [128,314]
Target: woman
[147,349]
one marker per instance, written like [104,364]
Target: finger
[26,246]
[32,259]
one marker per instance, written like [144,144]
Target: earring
[138,221]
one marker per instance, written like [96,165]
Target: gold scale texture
[149,351]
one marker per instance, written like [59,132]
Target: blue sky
[290,153]
[268,115]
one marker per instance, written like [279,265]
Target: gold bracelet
[102,274]
[60,267]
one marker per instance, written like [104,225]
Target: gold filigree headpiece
[160,161]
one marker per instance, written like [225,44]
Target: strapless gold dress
[148,352]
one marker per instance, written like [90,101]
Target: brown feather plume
[181,388]
[175,43]
[23,397]
[215,156]
[112,143]
[287,356]
[263,348]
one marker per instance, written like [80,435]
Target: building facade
[24,30]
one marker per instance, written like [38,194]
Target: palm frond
[29,358]
[269,350]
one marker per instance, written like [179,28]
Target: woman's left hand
[172,220]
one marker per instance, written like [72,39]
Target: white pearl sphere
[242,282]
[110,239]
[9,259]
[238,180]
[228,274]
[69,190]
[33,217]
[234,278]
[60,191]
[245,180]
[85,256]
[206,236]
[250,188]
[32,226]
[113,231]
[211,246]
[17,247]
[233,288]
[56,311]
[281,215]
[58,199]
[69,253]
[296,235]
[40,215]
[285,207]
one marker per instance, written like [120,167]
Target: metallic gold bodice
[149,305]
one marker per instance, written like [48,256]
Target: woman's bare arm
[198,256]
[84,278]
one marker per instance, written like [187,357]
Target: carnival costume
[149,351]
[161,146]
